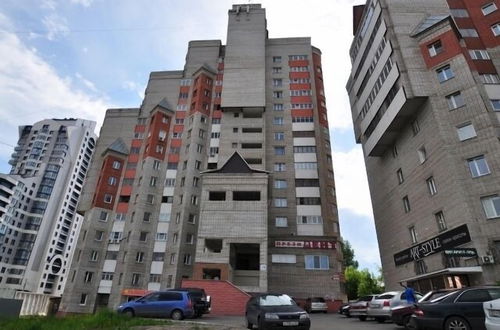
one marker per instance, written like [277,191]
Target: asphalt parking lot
[318,322]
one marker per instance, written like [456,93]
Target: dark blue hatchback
[174,304]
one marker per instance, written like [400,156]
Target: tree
[368,283]
[348,253]
[352,279]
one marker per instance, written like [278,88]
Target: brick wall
[227,299]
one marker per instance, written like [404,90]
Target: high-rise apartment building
[424,91]
[215,177]
[38,200]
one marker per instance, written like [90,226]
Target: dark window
[246,195]
[480,295]
[213,245]
[251,130]
[251,145]
[217,195]
[170,296]
[306,182]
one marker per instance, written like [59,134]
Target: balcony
[391,122]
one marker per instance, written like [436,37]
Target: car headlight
[304,316]
[271,316]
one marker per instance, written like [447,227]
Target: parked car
[275,310]
[174,304]
[359,307]
[401,315]
[344,310]
[316,304]
[202,302]
[492,314]
[380,307]
[461,309]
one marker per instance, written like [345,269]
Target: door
[471,306]
[145,306]
[253,311]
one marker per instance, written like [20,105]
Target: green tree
[368,283]
[348,253]
[352,279]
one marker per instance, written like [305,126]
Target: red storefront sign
[323,245]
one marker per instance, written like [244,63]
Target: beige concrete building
[215,177]
[424,92]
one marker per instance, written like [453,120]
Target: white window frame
[466,132]
[283,258]
[476,168]
[322,260]
[491,206]
[280,202]
[440,220]
[280,184]
[495,29]
[489,8]
[479,54]
[281,222]
[455,100]
[433,50]
[495,104]
[413,234]
[431,185]
[445,73]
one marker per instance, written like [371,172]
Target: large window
[466,132]
[431,185]
[317,262]
[444,73]
[478,166]
[280,202]
[281,222]
[491,206]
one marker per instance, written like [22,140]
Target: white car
[492,314]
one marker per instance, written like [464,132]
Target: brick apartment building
[425,99]
[215,177]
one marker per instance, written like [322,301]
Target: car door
[171,301]
[470,306]
[252,310]
[145,305]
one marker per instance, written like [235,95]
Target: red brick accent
[180,114]
[299,75]
[318,82]
[159,122]
[217,114]
[140,128]
[178,128]
[103,187]
[200,102]
[302,113]
[298,63]
[451,48]
[227,299]
[299,86]
[301,99]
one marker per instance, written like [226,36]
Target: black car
[401,315]
[275,311]
[202,302]
[344,310]
[462,309]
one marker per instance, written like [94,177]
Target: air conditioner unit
[487,260]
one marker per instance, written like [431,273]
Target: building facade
[38,220]
[424,92]
[215,177]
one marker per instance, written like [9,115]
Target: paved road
[318,322]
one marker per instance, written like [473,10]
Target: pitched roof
[165,104]
[429,22]
[118,146]
[235,164]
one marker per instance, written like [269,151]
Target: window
[187,259]
[278,121]
[88,277]
[278,107]
[94,255]
[139,257]
[108,198]
[479,54]
[459,12]
[472,33]
[106,276]
[276,59]
[415,127]
[496,29]
[135,279]
[441,223]
[478,166]
[280,202]
[317,262]
[98,235]
[489,78]
[283,258]
[276,69]
[152,181]
[83,299]
[192,218]
[309,219]
[150,199]
[491,206]
[466,132]
[196,181]
[278,95]
[406,204]
[445,73]
[280,184]
[189,238]
[246,195]
[194,200]
[111,181]
[422,154]
[279,151]
[117,165]
[277,82]
[103,216]
[279,136]
[156,165]
[413,234]
[401,178]
[279,167]
[394,151]
[455,100]
[217,195]
[435,48]
[431,185]
[143,237]
[489,8]
[495,104]
[281,221]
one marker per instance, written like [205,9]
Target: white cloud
[31,90]
[48,4]
[134,87]
[351,182]
[56,26]
[85,3]
[90,85]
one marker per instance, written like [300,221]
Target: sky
[77,58]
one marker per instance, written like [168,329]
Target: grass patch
[102,320]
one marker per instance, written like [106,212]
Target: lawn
[103,320]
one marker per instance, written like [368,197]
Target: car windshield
[385,296]
[276,300]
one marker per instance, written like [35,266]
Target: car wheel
[249,325]
[177,315]
[380,319]
[129,312]
[406,321]
[362,318]
[456,323]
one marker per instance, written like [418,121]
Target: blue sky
[76,58]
